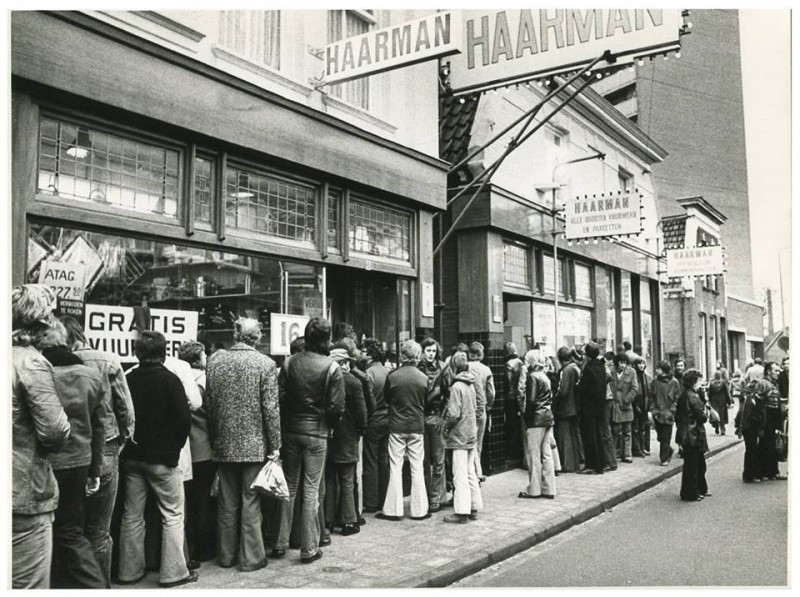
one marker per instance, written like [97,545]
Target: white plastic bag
[270,480]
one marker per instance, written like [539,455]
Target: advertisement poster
[111,329]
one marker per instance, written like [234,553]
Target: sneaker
[324,541]
[177,583]
[313,558]
[350,529]
[665,463]
[457,518]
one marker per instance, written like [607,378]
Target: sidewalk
[430,553]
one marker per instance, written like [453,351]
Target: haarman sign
[607,215]
[503,46]
[399,45]
[695,261]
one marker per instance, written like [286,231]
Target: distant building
[693,107]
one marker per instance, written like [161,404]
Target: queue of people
[193,433]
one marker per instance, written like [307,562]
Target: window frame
[530,269]
[103,126]
[355,196]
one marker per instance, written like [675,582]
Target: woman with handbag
[692,416]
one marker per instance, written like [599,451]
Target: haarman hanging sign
[504,46]
[604,215]
[695,261]
[399,45]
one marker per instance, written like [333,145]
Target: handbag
[781,445]
[271,481]
[713,416]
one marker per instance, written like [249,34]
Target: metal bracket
[317,53]
[317,83]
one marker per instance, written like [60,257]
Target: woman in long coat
[691,414]
[719,397]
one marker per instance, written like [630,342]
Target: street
[657,540]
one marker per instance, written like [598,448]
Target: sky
[766,85]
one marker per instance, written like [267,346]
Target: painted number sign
[66,279]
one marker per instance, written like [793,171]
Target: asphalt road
[736,537]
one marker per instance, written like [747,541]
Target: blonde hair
[31,312]
[247,330]
[55,335]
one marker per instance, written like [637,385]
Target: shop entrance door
[377,305]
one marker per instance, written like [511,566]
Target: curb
[476,561]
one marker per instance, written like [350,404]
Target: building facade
[496,275]
[693,106]
[185,162]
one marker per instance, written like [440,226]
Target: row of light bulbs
[547,82]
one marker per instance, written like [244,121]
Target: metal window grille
[203,185]
[334,224]
[254,34]
[515,264]
[269,205]
[77,162]
[343,24]
[378,230]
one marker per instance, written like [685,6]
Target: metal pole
[553,212]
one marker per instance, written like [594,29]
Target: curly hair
[374,350]
[247,330]
[192,352]
[31,312]
[690,377]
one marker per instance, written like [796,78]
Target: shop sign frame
[404,44]
[607,215]
[695,261]
[503,47]
[283,329]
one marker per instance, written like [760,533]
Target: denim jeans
[467,493]
[307,454]
[434,461]
[98,509]
[541,469]
[375,475]
[167,485]
[239,516]
[74,563]
[400,445]
[31,550]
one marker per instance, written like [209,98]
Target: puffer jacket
[460,429]
[242,405]
[312,394]
[38,425]
[82,394]
[666,390]
[536,403]
[344,443]
[624,388]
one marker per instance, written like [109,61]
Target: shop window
[574,327]
[166,279]
[203,190]
[270,205]
[334,218]
[583,282]
[380,231]
[253,34]
[343,24]
[77,162]
[646,310]
[516,265]
[611,311]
